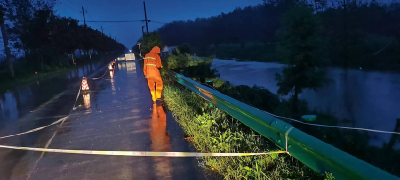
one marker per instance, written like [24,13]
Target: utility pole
[145,16]
[102,29]
[143,31]
[83,12]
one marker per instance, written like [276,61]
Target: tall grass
[212,130]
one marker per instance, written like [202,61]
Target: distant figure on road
[152,62]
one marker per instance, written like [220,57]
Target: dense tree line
[356,33]
[47,39]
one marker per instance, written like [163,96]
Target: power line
[114,21]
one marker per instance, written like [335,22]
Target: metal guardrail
[316,154]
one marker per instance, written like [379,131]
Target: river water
[358,98]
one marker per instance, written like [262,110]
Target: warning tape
[36,129]
[55,122]
[101,76]
[140,153]
[42,127]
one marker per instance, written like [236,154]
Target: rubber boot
[153,96]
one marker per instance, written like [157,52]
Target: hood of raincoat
[155,50]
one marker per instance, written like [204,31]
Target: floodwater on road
[19,101]
[116,115]
[366,99]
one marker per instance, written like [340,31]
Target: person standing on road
[152,62]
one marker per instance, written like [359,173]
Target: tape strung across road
[55,122]
[101,76]
[139,153]
[119,153]
[36,129]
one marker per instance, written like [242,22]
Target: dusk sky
[157,10]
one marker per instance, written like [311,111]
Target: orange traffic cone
[85,86]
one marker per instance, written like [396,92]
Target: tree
[181,49]
[149,41]
[298,49]
[4,33]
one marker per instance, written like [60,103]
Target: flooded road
[117,115]
[365,99]
[19,101]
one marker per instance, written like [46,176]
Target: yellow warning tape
[36,129]
[139,153]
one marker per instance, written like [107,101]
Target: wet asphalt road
[117,114]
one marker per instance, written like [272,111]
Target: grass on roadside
[212,130]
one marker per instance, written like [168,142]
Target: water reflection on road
[368,99]
[117,114]
[17,102]
[160,141]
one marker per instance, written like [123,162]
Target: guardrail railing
[316,154]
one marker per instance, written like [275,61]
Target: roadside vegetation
[211,130]
[300,44]
[37,40]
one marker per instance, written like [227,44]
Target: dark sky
[158,10]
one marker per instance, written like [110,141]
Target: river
[358,98]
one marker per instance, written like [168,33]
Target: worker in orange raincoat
[152,62]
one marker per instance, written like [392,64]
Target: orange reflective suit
[152,62]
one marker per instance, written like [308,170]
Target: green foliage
[192,66]
[179,61]
[329,176]
[46,39]
[341,43]
[297,49]
[181,49]
[149,41]
[211,130]
[46,33]
[255,96]
[188,107]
